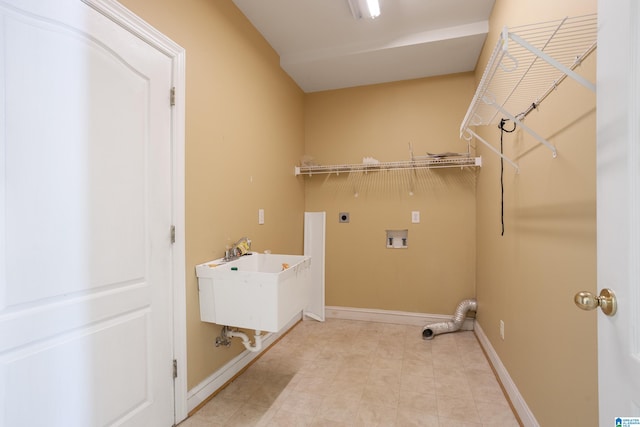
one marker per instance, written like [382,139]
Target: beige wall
[343,126]
[528,277]
[244,134]
[248,124]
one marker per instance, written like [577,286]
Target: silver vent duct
[429,331]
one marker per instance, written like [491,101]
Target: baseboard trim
[207,388]
[518,402]
[389,316]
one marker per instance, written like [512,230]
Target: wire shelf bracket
[527,64]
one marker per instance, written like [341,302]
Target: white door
[618,169]
[85,217]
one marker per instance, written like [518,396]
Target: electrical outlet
[415,217]
[502,329]
[260,216]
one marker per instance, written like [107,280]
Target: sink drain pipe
[245,340]
[430,331]
[227,333]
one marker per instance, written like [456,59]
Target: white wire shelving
[526,66]
[425,162]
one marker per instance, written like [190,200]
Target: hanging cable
[502,131]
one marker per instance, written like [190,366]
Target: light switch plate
[260,216]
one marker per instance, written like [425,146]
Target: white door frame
[132,23]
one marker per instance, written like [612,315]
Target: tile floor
[351,373]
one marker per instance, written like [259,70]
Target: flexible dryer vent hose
[430,331]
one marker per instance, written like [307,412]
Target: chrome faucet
[239,248]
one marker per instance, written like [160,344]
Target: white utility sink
[257,291]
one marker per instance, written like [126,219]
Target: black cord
[502,131]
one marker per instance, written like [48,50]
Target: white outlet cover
[415,217]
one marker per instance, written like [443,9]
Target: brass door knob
[606,301]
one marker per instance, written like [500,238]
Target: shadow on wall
[551,137]
[575,219]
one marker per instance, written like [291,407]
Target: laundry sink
[257,291]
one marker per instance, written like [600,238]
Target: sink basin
[258,291]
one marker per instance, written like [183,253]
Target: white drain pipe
[429,331]
[257,346]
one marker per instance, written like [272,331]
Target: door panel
[618,170]
[85,272]
[99,213]
[86,357]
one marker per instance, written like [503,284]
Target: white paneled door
[618,166]
[86,329]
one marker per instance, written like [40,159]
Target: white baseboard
[525,414]
[219,378]
[389,316]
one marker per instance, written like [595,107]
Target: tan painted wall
[244,134]
[343,126]
[245,119]
[528,277]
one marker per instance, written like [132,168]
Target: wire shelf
[526,65]
[422,163]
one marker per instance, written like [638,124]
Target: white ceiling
[322,47]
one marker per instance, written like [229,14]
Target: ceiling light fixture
[364,8]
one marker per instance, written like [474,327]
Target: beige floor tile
[476,361]
[458,423]
[269,396]
[320,385]
[458,409]
[486,389]
[449,360]
[302,403]
[383,363]
[496,414]
[345,389]
[417,367]
[348,373]
[323,422]
[418,384]
[240,390]
[353,374]
[249,414]
[336,408]
[418,350]
[410,418]
[424,403]
[284,418]
[385,378]
[218,410]
[453,385]
[381,395]
[371,414]
[389,349]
